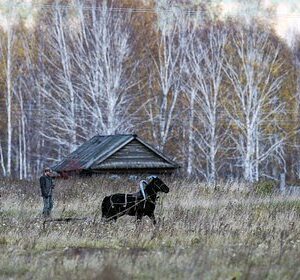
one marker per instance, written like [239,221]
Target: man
[47,186]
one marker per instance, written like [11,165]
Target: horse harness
[135,195]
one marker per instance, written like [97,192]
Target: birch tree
[164,80]
[106,70]
[295,47]
[22,131]
[92,74]
[205,58]
[27,115]
[7,50]
[59,91]
[254,70]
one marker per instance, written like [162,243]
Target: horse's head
[157,184]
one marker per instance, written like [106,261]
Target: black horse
[134,204]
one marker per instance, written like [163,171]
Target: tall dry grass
[202,233]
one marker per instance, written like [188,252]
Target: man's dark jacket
[46,183]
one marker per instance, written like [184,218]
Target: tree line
[220,96]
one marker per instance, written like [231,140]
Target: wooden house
[118,154]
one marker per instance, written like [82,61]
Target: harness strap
[143,184]
[111,202]
[125,205]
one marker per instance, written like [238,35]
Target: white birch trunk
[20,159]
[191,135]
[9,98]
[2,161]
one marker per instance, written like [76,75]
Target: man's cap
[47,169]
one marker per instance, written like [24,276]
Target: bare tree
[164,80]
[254,71]
[295,46]
[91,74]
[106,70]
[7,51]
[59,91]
[21,131]
[205,58]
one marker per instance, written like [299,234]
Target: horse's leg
[152,217]
[139,217]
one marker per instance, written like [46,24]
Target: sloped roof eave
[174,164]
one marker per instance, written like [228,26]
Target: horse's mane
[149,186]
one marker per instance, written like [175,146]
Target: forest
[219,95]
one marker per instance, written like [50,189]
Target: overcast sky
[286,14]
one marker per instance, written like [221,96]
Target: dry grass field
[202,233]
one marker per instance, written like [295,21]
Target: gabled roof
[113,152]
